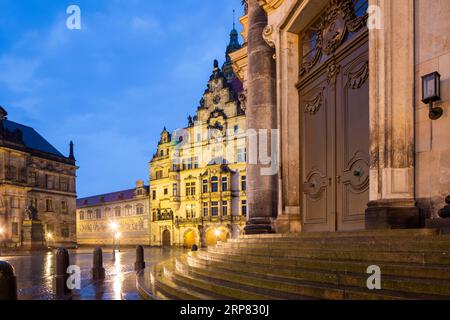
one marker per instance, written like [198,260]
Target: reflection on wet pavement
[35,274]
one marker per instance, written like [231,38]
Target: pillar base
[259,226]
[392,214]
[290,221]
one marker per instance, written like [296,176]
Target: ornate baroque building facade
[198,174]
[127,211]
[35,176]
[342,81]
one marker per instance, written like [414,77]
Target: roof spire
[71,155]
[234,19]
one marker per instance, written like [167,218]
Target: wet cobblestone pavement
[35,274]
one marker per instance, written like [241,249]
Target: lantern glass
[431,87]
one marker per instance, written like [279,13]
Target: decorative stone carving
[243,100]
[357,79]
[339,19]
[314,105]
[333,70]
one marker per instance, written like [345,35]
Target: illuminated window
[214,208]
[205,186]
[224,208]
[205,209]
[214,184]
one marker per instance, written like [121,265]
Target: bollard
[61,276]
[8,282]
[194,247]
[140,262]
[98,272]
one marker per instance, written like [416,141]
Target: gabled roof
[107,198]
[31,138]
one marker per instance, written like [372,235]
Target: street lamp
[114,227]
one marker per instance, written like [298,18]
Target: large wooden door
[334,107]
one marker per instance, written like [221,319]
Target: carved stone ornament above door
[337,21]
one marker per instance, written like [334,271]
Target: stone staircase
[415,264]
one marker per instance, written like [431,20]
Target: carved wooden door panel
[316,140]
[352,139]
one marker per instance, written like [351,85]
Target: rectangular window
[154,195]
[140,210]
[214,184]
[117,212]
[190,164]
[224,184]
[224,208]
[65,232]
[205,209]
[175,189]
[159,175]
[166,191]
[63,184]
[244,183]
[190,189]
[215,208]
[190,211]
[64,207]
[33,179]
[205,186]
[11,173]
[50,182]
[184,164]
[81,215]
[195,162]
[98,214]
[15,229]
[244,207]
[49,205]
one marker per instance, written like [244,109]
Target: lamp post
[114,227]
[117,236]
[49,237]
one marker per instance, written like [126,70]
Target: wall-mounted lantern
[431,92]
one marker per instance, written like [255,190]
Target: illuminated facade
[127,211]
[198,175]
[34,176]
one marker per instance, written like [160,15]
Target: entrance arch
[214,235]
[190,239]
[166,239]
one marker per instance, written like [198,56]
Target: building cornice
[270,5]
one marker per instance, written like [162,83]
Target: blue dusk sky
[134,67]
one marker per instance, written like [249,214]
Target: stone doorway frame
[391,61]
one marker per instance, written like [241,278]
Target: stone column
[260,114]
[392,200]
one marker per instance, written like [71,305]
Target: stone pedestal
[392,214]
[33,235]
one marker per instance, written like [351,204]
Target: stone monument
[33,231]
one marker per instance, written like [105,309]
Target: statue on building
[31,213]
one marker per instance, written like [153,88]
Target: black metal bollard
[61,276]
[8,282]
[194,248]
[98,272]
[140,262]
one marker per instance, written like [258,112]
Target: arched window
[117,212]
[128,211]
[108,212]
[81,215]
[214,184]
[90,215]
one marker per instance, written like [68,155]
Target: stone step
[384,246]
[164,284]
[391,234]
[287,266]
[372,257]
[315,290]
[339,279]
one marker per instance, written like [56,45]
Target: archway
[166,239]
[189,239]
[214,235]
